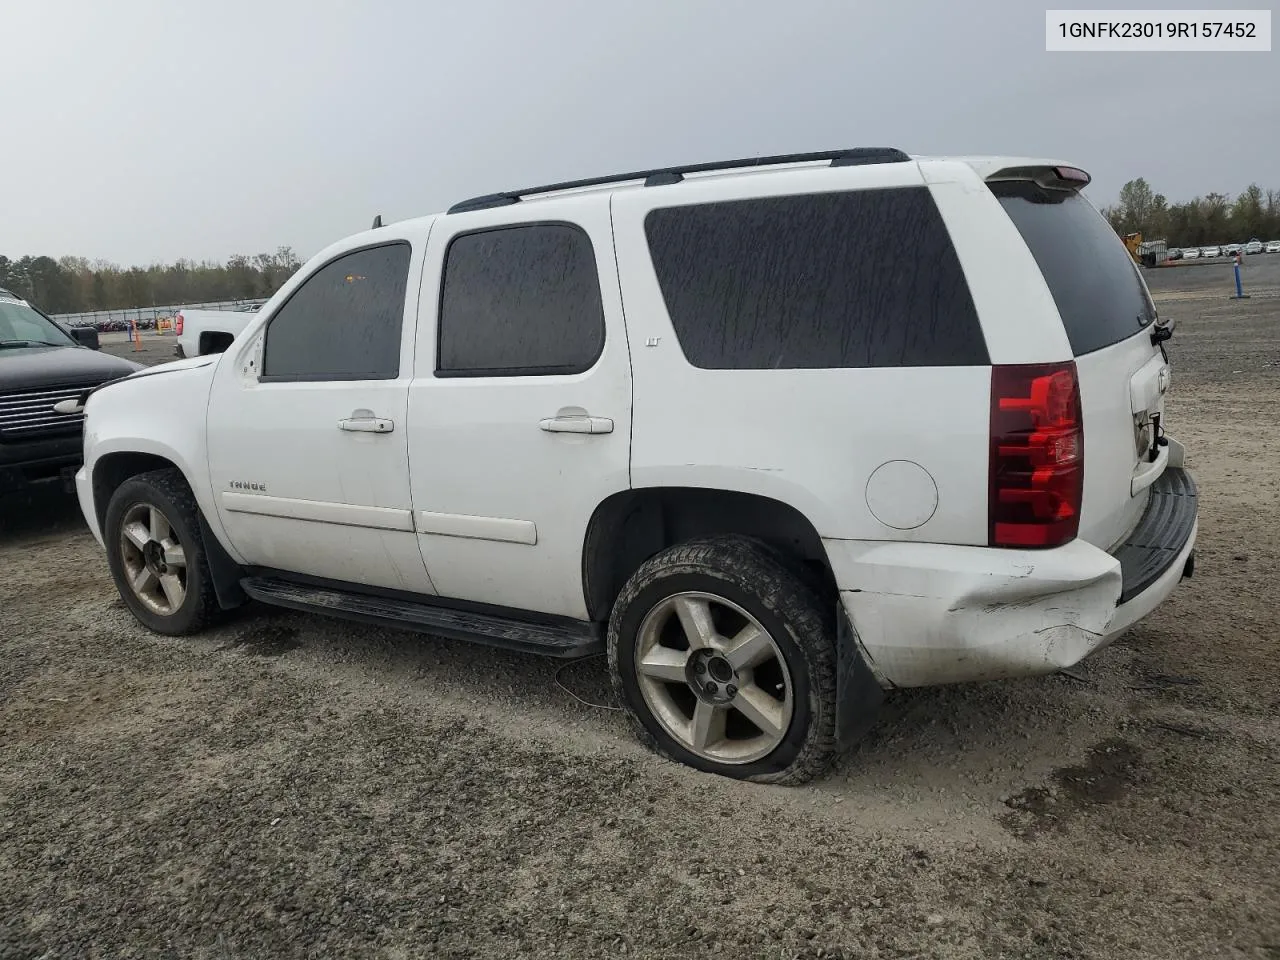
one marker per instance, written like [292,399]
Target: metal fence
[95,317]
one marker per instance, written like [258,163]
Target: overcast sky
[139,131]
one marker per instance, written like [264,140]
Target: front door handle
[577,425]
[363,421]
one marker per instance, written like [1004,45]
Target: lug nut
[700,667]
[731,690]
[710,687]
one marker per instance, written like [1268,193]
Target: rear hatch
[1109,318]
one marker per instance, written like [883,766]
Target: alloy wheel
[714,678]
[154,561]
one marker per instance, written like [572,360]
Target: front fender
[161,416]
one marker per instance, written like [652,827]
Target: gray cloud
[154,130]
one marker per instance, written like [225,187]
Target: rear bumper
[1160,535]
[927,614]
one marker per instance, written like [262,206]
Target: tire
[725,589]
[155,564]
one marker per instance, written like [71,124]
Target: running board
[570,639]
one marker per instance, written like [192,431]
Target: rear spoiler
[1071,179]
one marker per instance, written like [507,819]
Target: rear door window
[1094,281]
[864,278]
[520,301]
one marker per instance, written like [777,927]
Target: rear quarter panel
[1019,316]
[809,438]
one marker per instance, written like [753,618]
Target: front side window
[520,301]
[344,321]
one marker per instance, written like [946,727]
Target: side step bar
[568,640]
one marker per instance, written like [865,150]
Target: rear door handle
[363,421]
[577,425]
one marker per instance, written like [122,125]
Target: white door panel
[505,477]
[331,503]
[311,476]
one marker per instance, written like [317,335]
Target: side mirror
[86,337]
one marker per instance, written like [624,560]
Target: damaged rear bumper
[926,614]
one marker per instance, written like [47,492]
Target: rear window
[865,278]
[1094,281]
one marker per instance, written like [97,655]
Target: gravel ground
[289,786]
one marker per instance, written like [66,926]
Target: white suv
[774,434]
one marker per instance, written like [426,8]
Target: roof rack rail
[660,176]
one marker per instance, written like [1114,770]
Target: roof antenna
[377,222]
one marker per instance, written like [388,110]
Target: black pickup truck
[41,364]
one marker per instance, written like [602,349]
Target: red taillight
[1072,175]
[177,325]
[1037,455]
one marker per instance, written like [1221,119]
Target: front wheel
[725,661]
[156,556]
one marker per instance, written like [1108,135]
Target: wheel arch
[111,470]
[629,527]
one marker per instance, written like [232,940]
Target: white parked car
[1231,249]
[1191,253]
[201,332]
[1210,252]
[798,469]
[1253,246]
[1273,246]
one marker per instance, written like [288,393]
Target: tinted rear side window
[520,301]
[853,279]
[1094,281]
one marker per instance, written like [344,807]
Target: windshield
[19,323]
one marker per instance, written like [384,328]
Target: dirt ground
[289,786]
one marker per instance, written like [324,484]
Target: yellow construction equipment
[1132,242]
[1148,253]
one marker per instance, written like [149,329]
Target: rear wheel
[724,660]
[156,556]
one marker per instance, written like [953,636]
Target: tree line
[1203,221]
[77,285]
